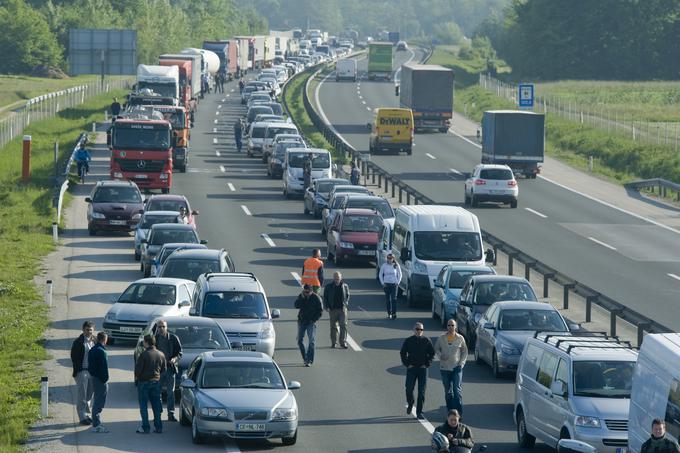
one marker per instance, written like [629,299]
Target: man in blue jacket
[98,367]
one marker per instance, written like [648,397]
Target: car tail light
[512,183]
[480,182]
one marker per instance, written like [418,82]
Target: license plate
[246,347]
[141,176]
[131,329]
[118,222]
[386,138]
[365,252]
[250,426]
[621,450]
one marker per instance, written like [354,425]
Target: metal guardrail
[660,183]
[408,195]
[61,188]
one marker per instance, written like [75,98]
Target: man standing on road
[98,367]
[354,174]
[659,441]
[149,368]
[336,301]
[115,109]
[310,310]
[241,86]
[417,353]
[452,351]
[312,271]
[307,170]
[390,277]
[238,134]
[169,344]
[79,354]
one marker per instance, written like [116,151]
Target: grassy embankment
[615,157]
[25,233]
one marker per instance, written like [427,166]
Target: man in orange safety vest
[312,271]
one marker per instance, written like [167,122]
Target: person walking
[238,134]
[452,351]
[241,86]
[390,277]
[354,174]
[659,442]
[416,353]
[149,368]
[310,310]
[307,170]
[459,435]
[115,109]
[312,271]
[79,358]
[336,301]
[169,344]
[98,368]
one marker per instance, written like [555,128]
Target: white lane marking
[363,102]
[430,156]
[219,106]
[214,130]
[245,209]
[232,90]
[268,240]
[426,424]
[231,187]
[361,97]
[222,169]
[368,108]
[353,344]
[677,277]
[227,95]
[216,121]
[218,154]
[603,244]
[214,141]
[297,278]
[223,100]
[453,170]
[537,213]
[217,113]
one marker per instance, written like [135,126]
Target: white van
[384,244]
[426,237]
[346,69]
[293,168]
[656,389]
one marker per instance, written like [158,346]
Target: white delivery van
[293,168]
[425,238]
[656,389]
[346,69]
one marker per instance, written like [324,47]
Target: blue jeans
[414,374]
[310,330]
[453,389]
[150,391]
[168,381]
[98,400]
[391,298]
[239,141]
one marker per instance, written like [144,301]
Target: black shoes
[420,416]
[171,417]
[409,409]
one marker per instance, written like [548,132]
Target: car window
[189,268]
[166,205]
[457,278]
[447,246]
[117,195]
[490,292]
[562,372]
[496,173]
[200,337]
[257,132]
[441,276]
[361,223]
[673,409]
[532,357]
[234,304]
[241,375]
[149,220]
[546,369]
[148,294]
[605,379]
[528,319]
[160,237]
[183,293]
[380,205]
[324,187]
[194,369]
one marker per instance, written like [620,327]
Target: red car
[168,202]
[354,234]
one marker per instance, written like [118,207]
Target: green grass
[15,88]
[466,71]
[25,233]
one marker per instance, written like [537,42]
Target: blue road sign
[526,95]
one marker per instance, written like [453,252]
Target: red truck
[141,151]
[184,79]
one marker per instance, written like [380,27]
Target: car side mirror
[204,241]
[184,303]
[188,384]
[194,212]
[276,313]
[574,327]
[396,90]
[489,326]
[88,200]
[193,312]
[405,254]
[293,385]
[559,388]
[490,256]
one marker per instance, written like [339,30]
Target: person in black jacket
[336,301]
[458,434]
[98,367]
[310,310]
[417,353]
[168,343]
[659,441]
[79,349]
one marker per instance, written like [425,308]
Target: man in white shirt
[390,276]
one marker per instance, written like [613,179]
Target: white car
[489,182]
[144,300]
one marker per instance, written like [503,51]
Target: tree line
[35,33]
[584,39]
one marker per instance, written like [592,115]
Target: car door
[540,407]
[188,395]
[486,337]
[439,293]
[463,311]
[557,411]
[333,232]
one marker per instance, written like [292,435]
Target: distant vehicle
[428,91]
[380,60]
[191,263]
[278,157]
[255,110]
[167,250]
[391,130]
[148,219]
[346,69]
[491,183]
[114,206]
[353,235]
[401,45]
[285,136]
[373,202]
[447,288]
[162,233]
[293,168]
[271,131]
[393,37]
[317,195]
[255,138]
[170,202]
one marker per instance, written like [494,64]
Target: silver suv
[574,387]
[238,303]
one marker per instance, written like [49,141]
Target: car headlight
[285,414]
[509,350]
[346,245]
[267,332]
[477,317]
[98,215]
[137,216]
[587,422]
[419,268]
[110,317]
[217,412]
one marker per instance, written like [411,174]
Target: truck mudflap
[180,159]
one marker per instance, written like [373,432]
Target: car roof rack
[580,334]
[590,340]
[230,274]
[618,345]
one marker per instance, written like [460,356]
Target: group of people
[155,369]
[220,80]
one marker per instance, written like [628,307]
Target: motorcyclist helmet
[440,443]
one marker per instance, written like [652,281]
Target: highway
[618,253]
[350,401]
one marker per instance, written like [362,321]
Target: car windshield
[136,138]
[276,108]
[361,224]
[490,292]
[257,132]
[163,89]
[447,246]
[351,189]
[283,146]
[531,319]
[381,205]
[148,294]
[297,160]
[200,337]
[235,375]
[234,304]
[324,187]
[458,277]
[259,110]
[272,131]
[496,173]
[337,202]
[149,220]
[176,118]
[249,89]
[603,379]
[166,205]
[117,195]
[188,268]
[160,237]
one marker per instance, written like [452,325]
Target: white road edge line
[537,213]
[222,169]
[368,108]
[268,240]
[214,130]
[231,187]
[231,447]
[603,244]
[677,277]
[363,102]
[245,209]
[297,278]
[223,100]
[426,424]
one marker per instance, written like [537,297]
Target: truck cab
[163,80]
[181,125]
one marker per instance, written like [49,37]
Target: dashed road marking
[603,244]
[677,277]
[216,121]
[297,278]
[537,213]
[231,187]
[453,170]
[214,130]
[268,240]
[222,169]
[214,141]
[217,153]
[219,106]
[363,102]
[368,108]
[245,209]
[430,156]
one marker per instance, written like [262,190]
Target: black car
[190,264]
[479,292]
[114,206]
[163,233]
